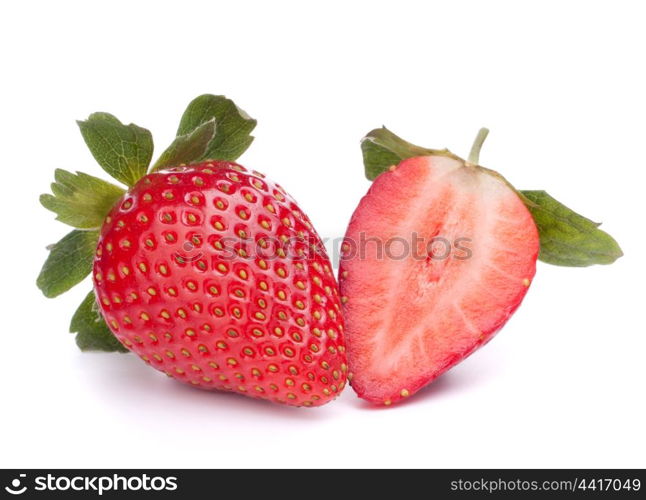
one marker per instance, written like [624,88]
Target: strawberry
[437,257]
[207,271]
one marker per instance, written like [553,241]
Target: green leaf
[92,332]
[567,238]
[232,126]
[80,200]
[124,151]
[382,149]
[69,262]
[187,148]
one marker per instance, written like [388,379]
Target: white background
[562,87]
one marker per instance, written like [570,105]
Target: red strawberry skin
[410,319]
[213,275]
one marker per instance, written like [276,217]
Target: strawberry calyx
[566,237]
[211,128]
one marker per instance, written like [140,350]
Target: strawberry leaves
[80,200]
[566,238]
[187,148]
[211,128]
[69,262]
[232,126]
[92,332]
[123,151]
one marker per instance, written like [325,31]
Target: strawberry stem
[474,155]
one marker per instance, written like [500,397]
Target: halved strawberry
[428,301]
[438,255]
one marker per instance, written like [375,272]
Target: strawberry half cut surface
[437,256]
[413,313]
[209,272]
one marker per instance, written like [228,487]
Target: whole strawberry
[210,273]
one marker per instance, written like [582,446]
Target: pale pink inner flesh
[409,319]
